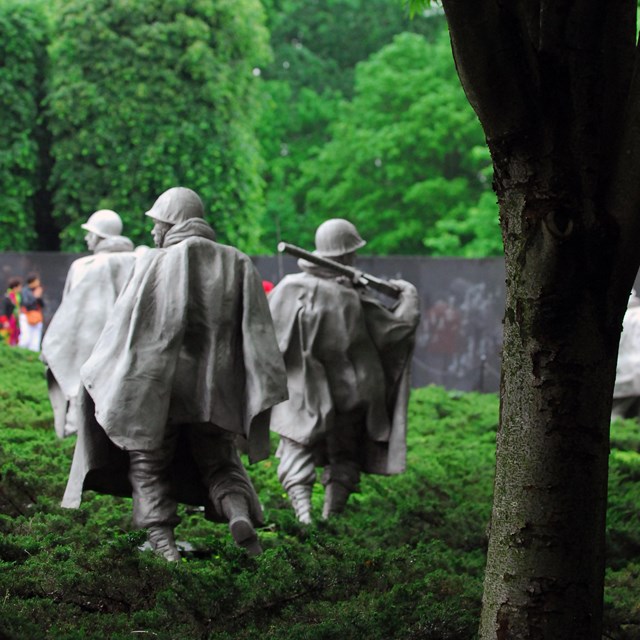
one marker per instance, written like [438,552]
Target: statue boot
[236,509]
[335,499]
[163,542]
[300,496]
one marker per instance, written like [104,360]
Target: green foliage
[23,41]
[406,155]
[396,565]
[316,49]
[470,234]
[416,6]
[405,560]
[149,94]
[23,390]
[317,45]
[292,130]
[140,96]
[405,159]
[622,607]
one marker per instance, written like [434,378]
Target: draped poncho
[344,351]
[190,340]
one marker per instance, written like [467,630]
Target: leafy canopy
[407,160]
[317,46]
[149,94]
[23,40]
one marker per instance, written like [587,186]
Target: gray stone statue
[626,392]
[187,362]
[92,286]
[347,357]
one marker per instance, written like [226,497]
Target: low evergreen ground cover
[405,560]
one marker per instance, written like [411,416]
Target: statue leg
[342,473]
[71,422]
[235,507]
[626,407]
[154,505]
[336,495]
[297,474]
[230,488]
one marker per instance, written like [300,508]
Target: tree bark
[552,82]
[545,566]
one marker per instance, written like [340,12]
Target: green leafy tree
[292,131]
[149,94]
[317,46]
[407,159]
[23,41]
[470,231]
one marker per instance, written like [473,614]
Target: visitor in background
[10,313]
[31,317]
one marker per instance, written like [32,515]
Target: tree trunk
[545,566]
[553,84]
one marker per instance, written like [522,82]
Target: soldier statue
[626,392]
[187,362]
[348,365]
[93,283]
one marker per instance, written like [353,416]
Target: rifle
[357,277]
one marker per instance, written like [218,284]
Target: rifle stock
[357,277]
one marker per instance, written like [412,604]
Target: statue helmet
[104,223]
[337,237]
[177,205]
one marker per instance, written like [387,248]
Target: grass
[405,560]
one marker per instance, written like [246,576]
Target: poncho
[628,367]
[190,340]
[93,283]
[344,350]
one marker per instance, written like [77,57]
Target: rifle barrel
[358,277]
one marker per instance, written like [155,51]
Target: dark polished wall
[460,334]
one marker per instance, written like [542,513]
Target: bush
[23,158]
[405,560]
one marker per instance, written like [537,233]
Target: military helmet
[337,237]
[104,223]
[177,205]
